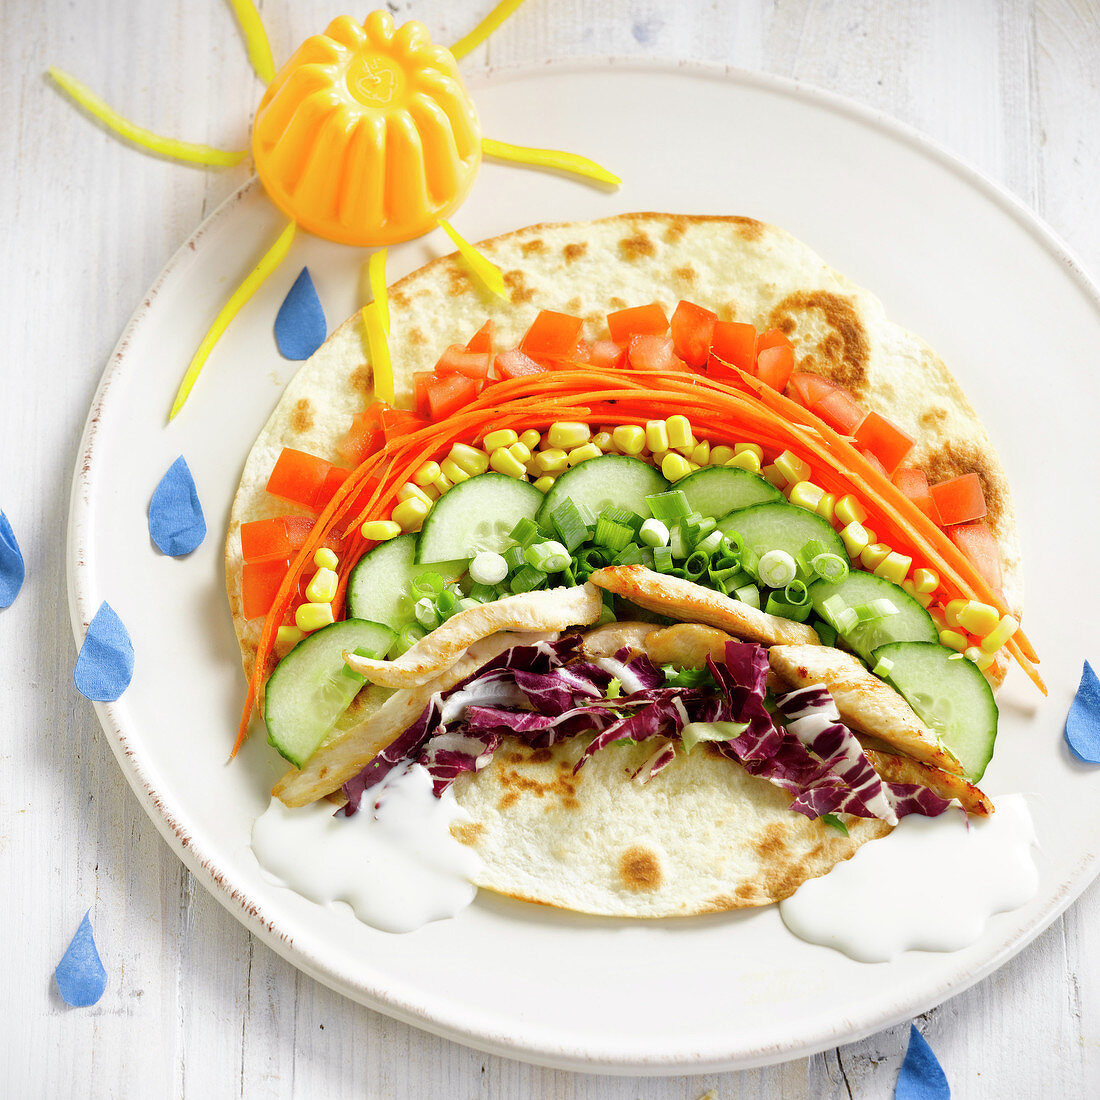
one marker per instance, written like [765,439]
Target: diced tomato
[363,437]
[693,333]
[914,484]
[421,380]
[735,343]
[298,476]
[959,500]
[333,480]
[888,442]
[838,409]
[513,364]
[774,366]
[653,353]
[400,422]
[448,394]
[606,353]
[582,353]
[482,340]
[457,360]
[259,584]
[872,458]
[976,541]
[551,335]
[279,537]
[773,338]
[648,320]
[808,389]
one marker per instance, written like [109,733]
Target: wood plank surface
[195,1007]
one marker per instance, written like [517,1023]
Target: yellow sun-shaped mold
[367,135]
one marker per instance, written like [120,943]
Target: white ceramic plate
[954,258]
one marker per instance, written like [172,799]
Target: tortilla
[703,835]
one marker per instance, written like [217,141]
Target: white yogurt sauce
[930,885]
[394,862]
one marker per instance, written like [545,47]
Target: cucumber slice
[718,490]
[950,695]
[380,585]
[610,481]
[311,686]
[911,624]
[780,526]
[476,515]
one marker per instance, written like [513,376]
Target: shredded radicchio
[547,692]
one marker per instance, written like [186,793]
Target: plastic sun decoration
[367,136]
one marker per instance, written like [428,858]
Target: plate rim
[610,1058]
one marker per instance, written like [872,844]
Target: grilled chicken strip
[900,769]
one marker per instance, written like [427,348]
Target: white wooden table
[195,1007]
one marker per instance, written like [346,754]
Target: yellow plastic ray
[271,260]
[255,37]
[485,28]
[483,268]
[549,158]
[376,276]
[379,352]
[165,146]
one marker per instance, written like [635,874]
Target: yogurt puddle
[394,862]
[930,885]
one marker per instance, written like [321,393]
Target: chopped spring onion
[446,603]
[528,579]
[662,559]
[624,516]
[488,568]
[777,605]
[796,593]
[749,594]
[839,615]
[427,584]
[514,559]
[483,591]
[611,534]
[654,533]
[826,633]
[569,524]
[426,614]
[467,603]
[409,635]
[876,609]
[696,565]
[525,532]
[631,554]
[830,567]
[548,557]
[883,667]
[678,543]
[777,568]
[710,544]
[670,507]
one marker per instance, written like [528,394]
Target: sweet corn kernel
[313,616]
[469,459]
[552,461]
[720,455]
[530,439]
[442,483]
[409,491]
[504,462]
[936,615]
[380,530]
[923,598]
[326,559]
[953,640]
[806,494]
[894,567]
[426,474]
[999,634]
[754,448]
[502,437]
[583,452]
[658,457]
[951,612]
[322,586]
[410,514]
[926,580]
[826,507]
[289,636]
[872,538]
[532,467]
[855,539]
[453,472]
[745,460]
[605,441]
[656,435]
[849,510]
[874,555]
[675,466]
[568,434]
[701,453]
[982,660]
[775,475]
[792,468]
[629,438]
[693,466]
[545,483]
[680,436]
[519,452]
[977,618]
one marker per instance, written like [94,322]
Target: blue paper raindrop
[1083,721]
[176,522]
[81,978]
[12,570]
[300,326]
[921,1076]
[105,663]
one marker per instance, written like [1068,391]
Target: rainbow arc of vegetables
[375,314]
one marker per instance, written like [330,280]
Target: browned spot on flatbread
[575,305]
[639,869]
[301,419]
[467,832]
[745,891]
[362,379]
[685,274]
[748,229]
[520,292]
[458,281]
[615,302]
[638,246]
[840,356]
[530,247]
[542,756]
[399,298]
[933,417]
[956,458]
[718,904]
[509,798]
[575,251]
[416,336]
[772,842]
[515,783]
